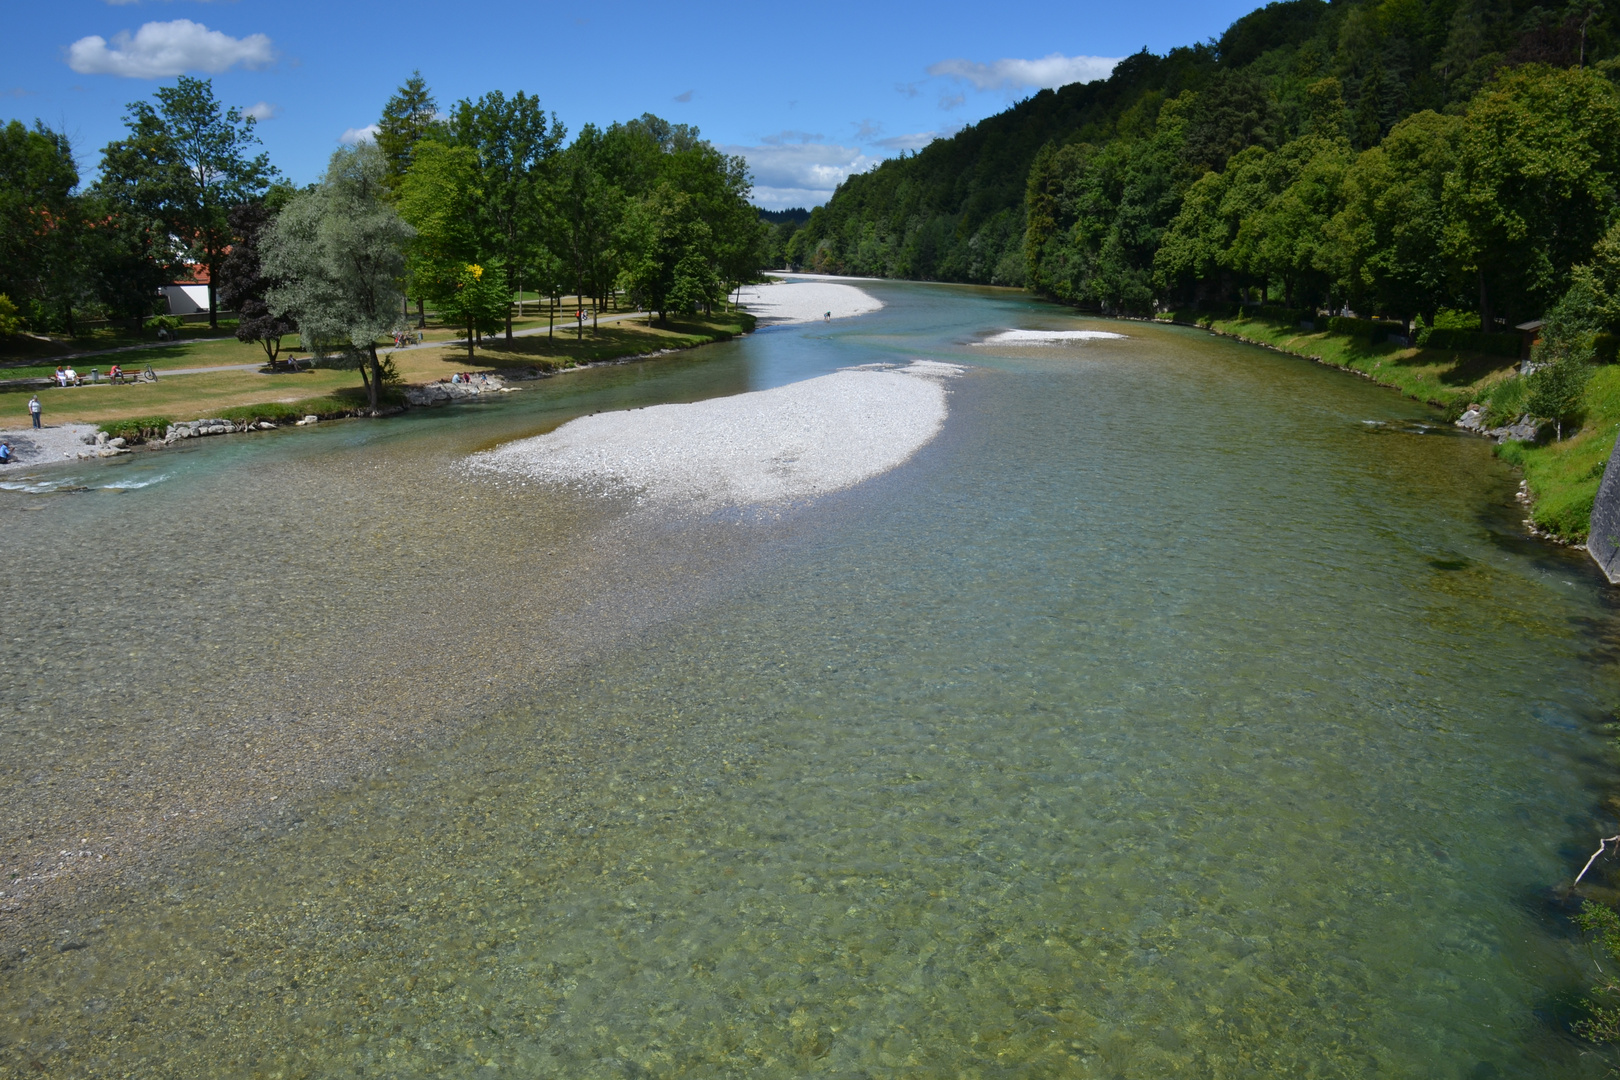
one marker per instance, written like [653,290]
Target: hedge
[1504,344]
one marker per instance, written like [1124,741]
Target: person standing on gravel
[33,409]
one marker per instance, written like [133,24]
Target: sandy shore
[806,301]
[767,447]
[53,442]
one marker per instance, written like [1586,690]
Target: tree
[40,223]
[475,297]
[513,144]
[585,214]
[669,268]
[1537,164]
[1563,357]
[1386,246]
[1194,247]
[410,116]
[185,163]
[243,283]
[439,198]
[1599,281]
[338,250]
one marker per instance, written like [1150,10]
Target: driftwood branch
[1603,845]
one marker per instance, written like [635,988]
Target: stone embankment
[196,429]
[1523,429]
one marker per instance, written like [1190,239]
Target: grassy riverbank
[230,390]
[1562,475]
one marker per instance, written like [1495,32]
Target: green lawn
[237,392]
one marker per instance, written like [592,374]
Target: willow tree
[339,251]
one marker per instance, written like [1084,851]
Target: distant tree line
[458,209]
[1402,157]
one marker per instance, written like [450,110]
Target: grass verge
[246,393]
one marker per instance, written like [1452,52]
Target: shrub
[1507,401]
[10,319]
[138,428]
[1508,345]
[1369,329]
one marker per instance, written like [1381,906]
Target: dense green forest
[1404,157]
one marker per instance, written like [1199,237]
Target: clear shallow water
[1163,717]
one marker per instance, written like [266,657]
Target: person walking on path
[33,408]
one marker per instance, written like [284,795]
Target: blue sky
[806,94]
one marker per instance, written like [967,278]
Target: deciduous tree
[338,251]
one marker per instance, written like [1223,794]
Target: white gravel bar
[806,301]
[1048,337]
[769,447]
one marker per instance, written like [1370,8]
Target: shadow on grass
[22,350]
[611,342]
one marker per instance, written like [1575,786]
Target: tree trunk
[1486,323]
[376,377]
[510,274]
[471,330]
[421,314]
[213,314]
[551,319]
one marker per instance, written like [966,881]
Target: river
[1182,709]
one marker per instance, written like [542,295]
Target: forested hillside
[1405,156]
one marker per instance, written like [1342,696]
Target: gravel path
[766,447]
[53,442]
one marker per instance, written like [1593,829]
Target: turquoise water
[1182,710]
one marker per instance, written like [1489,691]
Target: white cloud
[356,136]
[262,111]
[159,50]
[1049,71]
[800,174]
[914,141]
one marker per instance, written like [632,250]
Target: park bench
[289,363]
[128,375]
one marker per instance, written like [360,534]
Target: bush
[1370,329]
[137,429]
[10,320]
[1509,345]
[1507,401]
[1280,314]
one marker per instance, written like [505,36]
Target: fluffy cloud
[262,111]
[159,50]
[355,136]
[799,174]
[1049,71]
[914,141]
